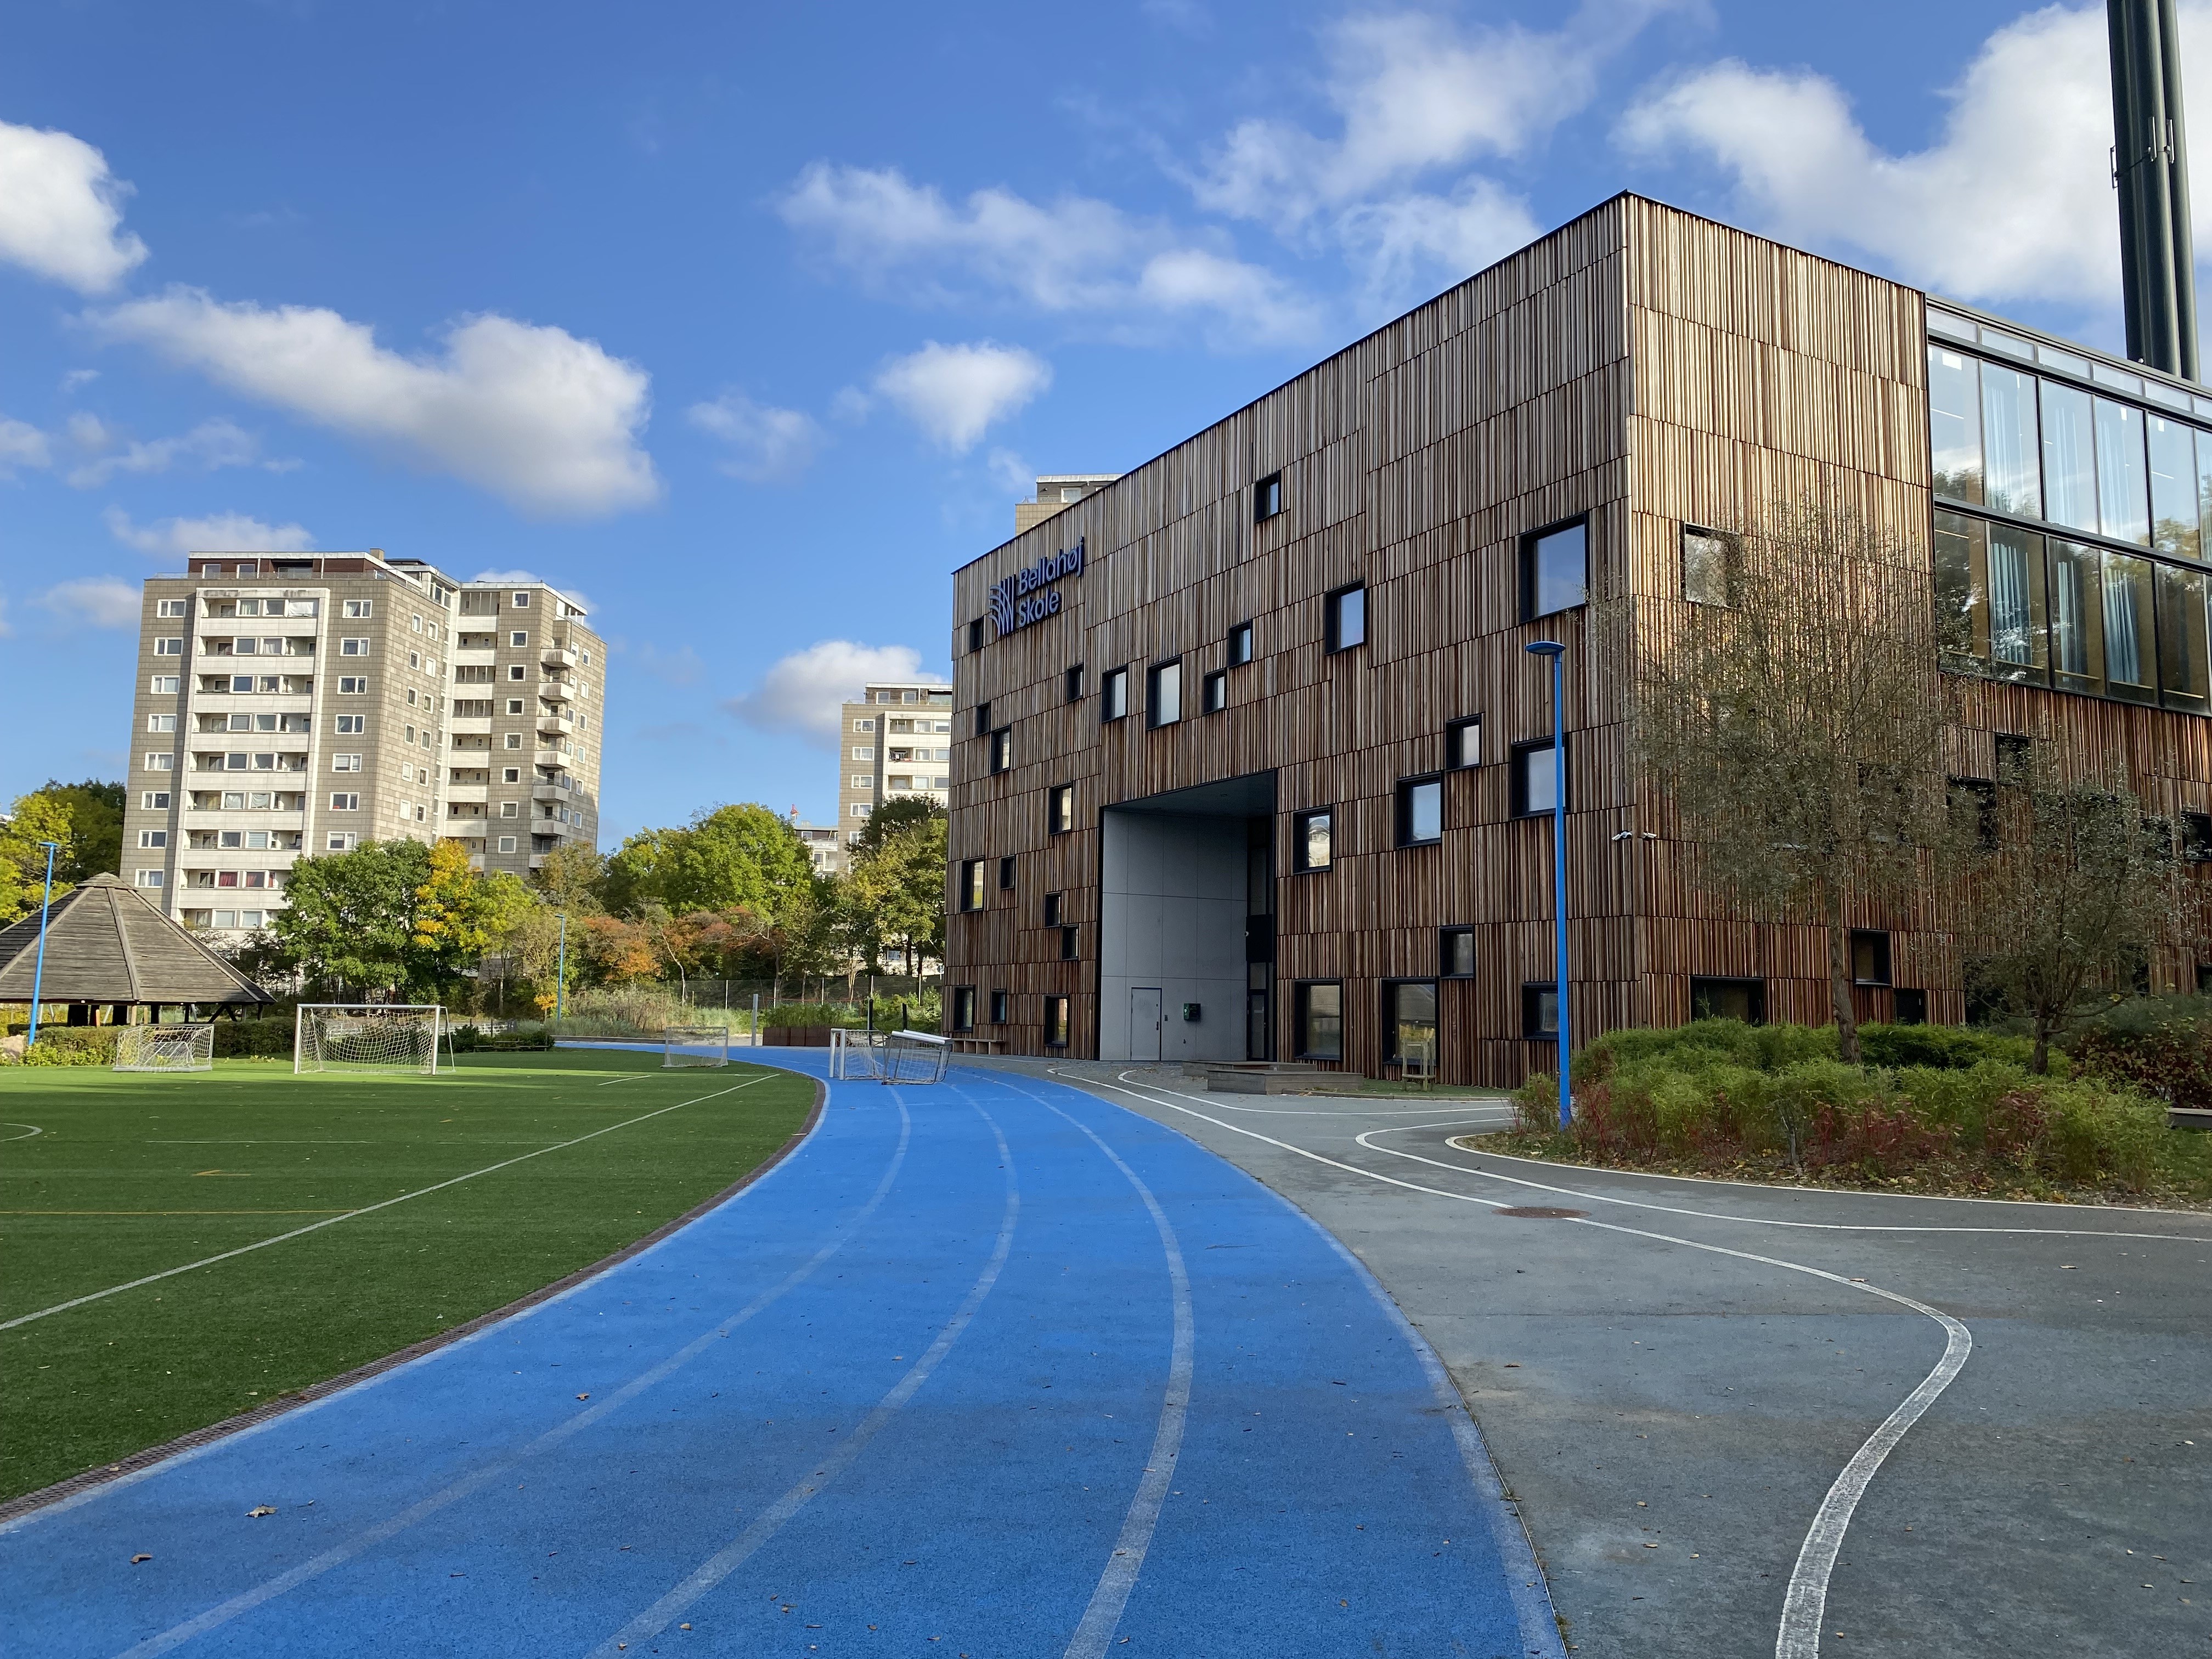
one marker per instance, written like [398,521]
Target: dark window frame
[1299,820]
[1058,1013]
[1390,1055]
[1529,543]
[1002,750]
[984,718]
[1000,1006]
[1053,903]
[1237,646]
[1731,547]
[975,636]
[1152,720]
[1073,685]
[1984,794]
[1444,938]
[2195,837]
[969,896]
[960,1017]
[1301,992]
[1057,822]
[1112,681]
[1755,988]
[1213,693]
[1533,991]
[1071,942]
[1456,734]
[1268,497]
[1520,751]
[1332,618]
[1402,810]
[1006,873]
[2015,752]
[1909,1006]
[1877,940]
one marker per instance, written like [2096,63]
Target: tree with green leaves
[38,817]
[455,918]
[898,890]
[349,918]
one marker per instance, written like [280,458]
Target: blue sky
[749,324]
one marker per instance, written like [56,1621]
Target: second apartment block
[895,741]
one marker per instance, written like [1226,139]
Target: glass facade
[2070,525]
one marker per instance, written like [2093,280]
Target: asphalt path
[996,1367]
[1750,1420]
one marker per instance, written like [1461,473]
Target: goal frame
[199,1032]
[694,1036]
[440,1030]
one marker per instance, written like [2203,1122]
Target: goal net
[367,1036]
[695,1045]
[188,1047]
[889,1056]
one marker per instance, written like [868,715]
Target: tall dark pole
[2150,168]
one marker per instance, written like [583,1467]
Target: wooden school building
[1250,761]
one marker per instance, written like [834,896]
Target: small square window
[1456,952]
[975,634]
[510,774]
[999,1007]
[1060,809]
[1214,695]
[1729,998]
[514,707]
[516,672]
[1068,943]
[1266,498]
[1554,570]
[153,838]
[1318,1007]
[1534,771]
[1002,748]
[2197,838]
[971,885]
[515,738]
[1052,905]
[1463,743]
[1420,811]
[1240,645]
[1055,1022]
[1006,875]
[1869,957]
[1540,1010]
[1113,695]
[1163,695]
[1709,561]
[508,809]
[1312,839]
[964,1008]
[1346,618]
[2015,757]
[522,602]
[1912,1007]
[1074,689]
[507,843]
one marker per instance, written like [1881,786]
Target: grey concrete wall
[1171,914]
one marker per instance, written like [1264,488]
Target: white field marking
[365,1209]
[1798,1636]
[1751,1220]
[362,1541]
[724,1562]
[1096,1628]
[29,1129]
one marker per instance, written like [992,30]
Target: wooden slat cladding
[1640,366]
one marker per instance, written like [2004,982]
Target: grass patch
[1934,1111]
[133,1174]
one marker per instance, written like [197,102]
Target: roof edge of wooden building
[105,943]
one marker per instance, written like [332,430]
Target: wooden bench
[977,1045]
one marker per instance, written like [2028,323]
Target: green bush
[267,1036]
[72,1045]
[2162,1045]
[523,1039]
[812,1013]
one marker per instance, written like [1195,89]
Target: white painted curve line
[1816,1557]
[724,1562]
[365,1209]
[29,1129]
[1096,1628]
[361,1542]
[1750,1220]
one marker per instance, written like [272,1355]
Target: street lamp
[39,972]
[1557,653]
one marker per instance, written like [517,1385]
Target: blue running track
[993,1368]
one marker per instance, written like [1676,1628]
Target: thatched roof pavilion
[107,944]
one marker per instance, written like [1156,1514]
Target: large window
[1729,998]
[1540,1010]
[1708,566]
[1869,957]
[1163,696]
[1319,1008]
[1347,619]
[1535,773]
[1312,840]
[1409,1020]
[1554,570]
[971,883]
[1420,811]
[1055,1022]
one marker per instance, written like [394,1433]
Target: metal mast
[2150,167]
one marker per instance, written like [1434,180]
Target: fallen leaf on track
[255,1514]
[135,1559]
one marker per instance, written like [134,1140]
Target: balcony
[467,657]
[553,656]
[463,793]
[556,690]
[555,725]
[468,726]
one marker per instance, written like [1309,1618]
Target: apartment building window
[349,685]
[1052,908]
[341,762]
[154,800]
[153,838]
[1006,875]
[1420,811]
[1060,809]
[1163,694]
[162,763]
[1869,957]
[522,601]
[173,607]
[1312,839]
[1055,1022]
[516,672]
[1711,560]
[1266,498]
[168,647]
[863,781]
[1074,689]
[510,775]
[514,707]
[508,809]
[1729,998]
[151,878]
[1317,1011]
[1000,1008]
[1213,691]
[1534,775]
[1346,618]
[355,610]
[963,1007]
[352,725]
[160,722]
[1463,743]
[1554,569]
[1240,645]
[344,841]
[515,738]
[162,685]
[975,634]
[507,843]
[1540,1010]
[1114,695]
[1409,1020]
[1456,952]
[971,885]
[1002,748]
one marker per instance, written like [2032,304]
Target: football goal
[186,1048]
[889,1056]
[367,1036]
[695,1045]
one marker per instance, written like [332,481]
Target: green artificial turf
[131,1174]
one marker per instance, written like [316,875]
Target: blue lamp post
[38,972]
[1557,653]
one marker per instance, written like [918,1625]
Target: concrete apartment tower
[1056,492]
[895,741]
[304,704]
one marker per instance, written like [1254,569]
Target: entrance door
[1144,1022]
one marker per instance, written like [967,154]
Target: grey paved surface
[1671,1418]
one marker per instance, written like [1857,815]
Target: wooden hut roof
[105,943]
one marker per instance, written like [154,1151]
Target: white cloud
[100,601]
[219,532]
[681,667]
[802,692]
[6,626]
[518,578]
[768,445]
[1077,254]
[1011,472]
[78,377]
[2013,201]
[61,213]
[1404,241]
[22,445]
[953,392]
[543,419]
[210,445]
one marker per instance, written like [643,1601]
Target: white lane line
[365,1209]
[29,1129]
[724,1562]
[1753,1220]
[367,1540]
[1798,1636]
[1096,1628]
